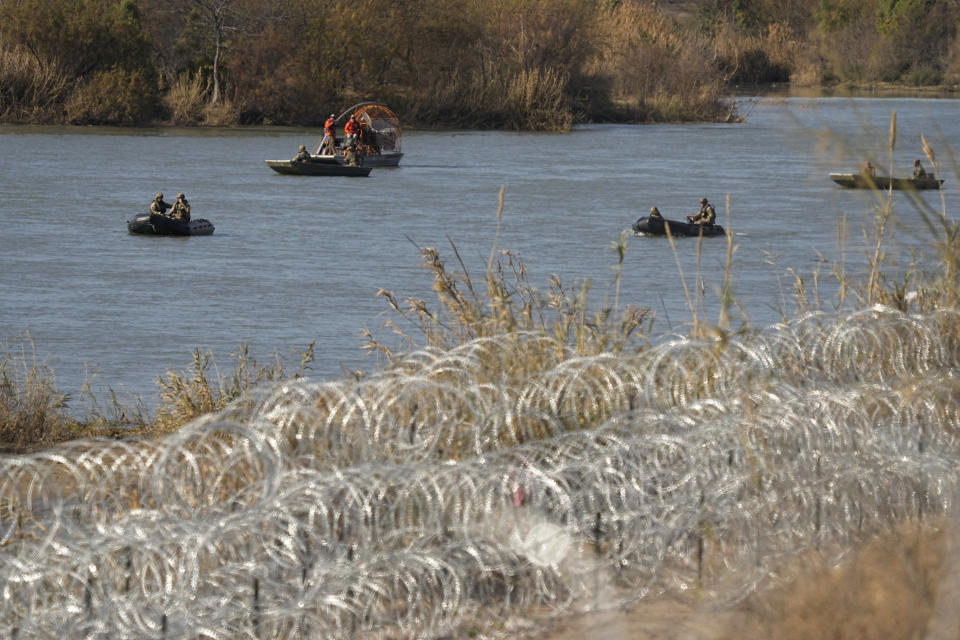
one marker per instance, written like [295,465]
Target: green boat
[860,181]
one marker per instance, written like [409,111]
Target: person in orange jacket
[328,143]
[352,130]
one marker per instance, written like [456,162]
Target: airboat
[379,140]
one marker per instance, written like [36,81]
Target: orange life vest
[352,127]
[328,126]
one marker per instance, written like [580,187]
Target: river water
[300,259]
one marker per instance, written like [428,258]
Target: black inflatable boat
[153,224]
[655,227]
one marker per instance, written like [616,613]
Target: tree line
[523,64]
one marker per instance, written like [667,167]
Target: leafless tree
[217,17]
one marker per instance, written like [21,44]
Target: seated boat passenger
[351,130]
[868,171]
[655,214]
[918,170]
[158,206]
[302,155]
[350,156]
[705,216]
[181,209]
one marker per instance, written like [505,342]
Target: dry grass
[34,413]
[188,103]
[187,98]
[224,113]
[918,289]
[202,389]
[495,97]
[753,59]
[29,90]
[32,410]
[895,586]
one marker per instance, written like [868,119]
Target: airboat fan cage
[383,122]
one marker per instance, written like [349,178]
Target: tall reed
[203,389]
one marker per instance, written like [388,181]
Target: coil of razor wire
[460,488]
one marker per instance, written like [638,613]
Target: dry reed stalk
[726,291]
[842,243]
[931,156]
[893,142]
[509,304]
[886,213]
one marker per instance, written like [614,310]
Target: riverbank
[492,65]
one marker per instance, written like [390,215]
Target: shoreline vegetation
[505,64]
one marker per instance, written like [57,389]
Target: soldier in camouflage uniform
[350,156]
[158,206]
[918,170]
[705,216]
[302,155]
[181,210]
[655,214]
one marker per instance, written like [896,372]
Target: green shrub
[923,77]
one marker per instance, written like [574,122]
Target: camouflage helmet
[916,162]
[180,195]
[654,210]
[703,201]
[159,196]
[302,148]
